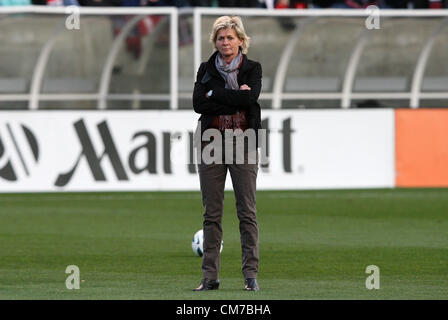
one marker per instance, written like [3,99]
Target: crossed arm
[243,98]
[225,101]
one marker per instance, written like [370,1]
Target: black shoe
[251,284]
[208,285]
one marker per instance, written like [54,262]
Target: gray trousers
[212,181]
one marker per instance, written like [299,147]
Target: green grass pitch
[313,245]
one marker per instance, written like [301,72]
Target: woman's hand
[244,87]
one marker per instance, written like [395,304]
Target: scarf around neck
[229,71]
[230,74]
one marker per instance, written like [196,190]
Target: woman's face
[228,43]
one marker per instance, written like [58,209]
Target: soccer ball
[197,243]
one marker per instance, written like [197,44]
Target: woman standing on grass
[225,94]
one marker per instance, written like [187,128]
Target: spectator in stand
[54,2]
[185,32]
[239,3]
[382,4]
[429,4]
[204,3]
[66,3]
[287,23]
[267,4]
[349,4]
[167,3]
[100,3]
[318,4]
[147,24]
[291,4]
[398,4]
[353,4]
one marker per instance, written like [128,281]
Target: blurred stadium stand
[66,67]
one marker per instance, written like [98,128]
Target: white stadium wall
[50,151]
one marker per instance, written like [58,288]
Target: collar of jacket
[211,68]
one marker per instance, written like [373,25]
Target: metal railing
[277,96]
[103,95]
[347,93]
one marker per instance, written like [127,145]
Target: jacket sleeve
[203,105]
[241,99]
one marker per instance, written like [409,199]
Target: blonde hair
[234,22]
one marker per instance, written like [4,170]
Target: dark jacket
[226,101]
